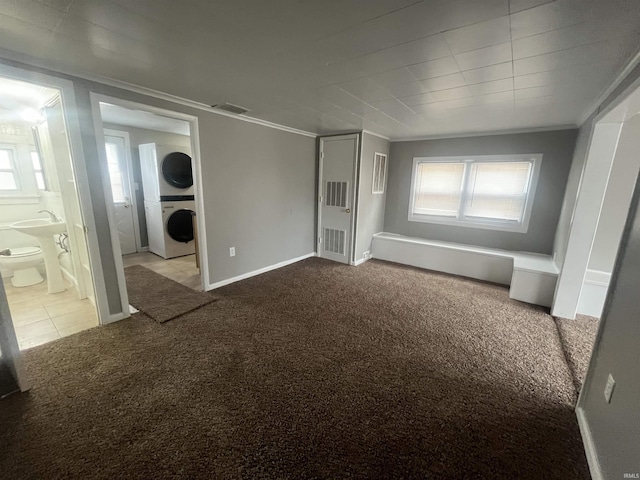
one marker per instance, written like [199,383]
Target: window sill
[512,228]
[19,199]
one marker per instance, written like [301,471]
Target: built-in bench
[532,277]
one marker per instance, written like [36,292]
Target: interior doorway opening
[44,250]
[151,164]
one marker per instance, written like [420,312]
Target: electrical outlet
[232,251]
[366,255]
[608,389]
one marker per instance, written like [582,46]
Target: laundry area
[150,167]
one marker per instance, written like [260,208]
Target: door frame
[194,135]
[353,196]
[134,201]
[79,162]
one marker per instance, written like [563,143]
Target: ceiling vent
[231,108]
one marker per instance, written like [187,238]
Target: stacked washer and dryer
[169,202]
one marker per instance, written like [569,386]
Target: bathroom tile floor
[40,317]
[181,269]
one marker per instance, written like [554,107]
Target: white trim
[376,135]
[67,94]
[361,261]
[603,144]
[108,197]
[490,133]
[520,227]
[622,74]
[352,240]
[373,179]
[131,87]
[194,135]
[134,202]
[244,276]
[144,249]
[589,446]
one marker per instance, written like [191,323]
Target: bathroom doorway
[44,251]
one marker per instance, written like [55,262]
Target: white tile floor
[40,317]
[182,269]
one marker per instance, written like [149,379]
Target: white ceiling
[137,118]
[400,68]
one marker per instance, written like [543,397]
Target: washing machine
[170,228]
[167,173]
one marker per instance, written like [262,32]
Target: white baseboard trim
[589,446]
[244,276]
[361,261]
[594,293]
[144,249]
[115,317]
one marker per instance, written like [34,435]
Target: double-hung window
[9,181]
[494,192]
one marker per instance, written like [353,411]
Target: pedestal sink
[44,230]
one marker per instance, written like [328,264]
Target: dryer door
[180,226]
[176,170]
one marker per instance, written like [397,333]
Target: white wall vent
[334,240]
[231,108]
[337,194]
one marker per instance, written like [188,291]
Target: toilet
[23,261]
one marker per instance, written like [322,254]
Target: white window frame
[35,171]
[15,171]
[380,191]
[460,221]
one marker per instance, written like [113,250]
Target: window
[493,192]
[8,172]
[115,175]
[38,170]
[379,172]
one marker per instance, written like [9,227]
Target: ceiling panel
[397,67]
[435,68]
[483,34]
[484,57]
[487,74]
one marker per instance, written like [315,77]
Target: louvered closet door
[337,171]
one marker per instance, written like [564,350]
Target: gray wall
[139,136]
[615,426]
[371,206]
[617,198]
[577,167]
[557,150]
[258,192]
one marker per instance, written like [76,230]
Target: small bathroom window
[8,172]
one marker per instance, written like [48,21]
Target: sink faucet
[53,216]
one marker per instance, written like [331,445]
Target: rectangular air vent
[334,240]
[231,108]
[337,194]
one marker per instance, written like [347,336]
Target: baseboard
[144,249]
[589,446]
[361,261]
[594,293]
[66,274]
[244,276]
[115,317]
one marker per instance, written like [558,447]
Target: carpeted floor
[316,370]
[577,338]
[160,297]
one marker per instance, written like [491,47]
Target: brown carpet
[577,338]
[160,297]
[316,370]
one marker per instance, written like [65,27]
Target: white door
[12,374]
[120,175]
[338,156]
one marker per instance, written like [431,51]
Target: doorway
[117,144]
[336,197]
[44,249]
[151,157]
